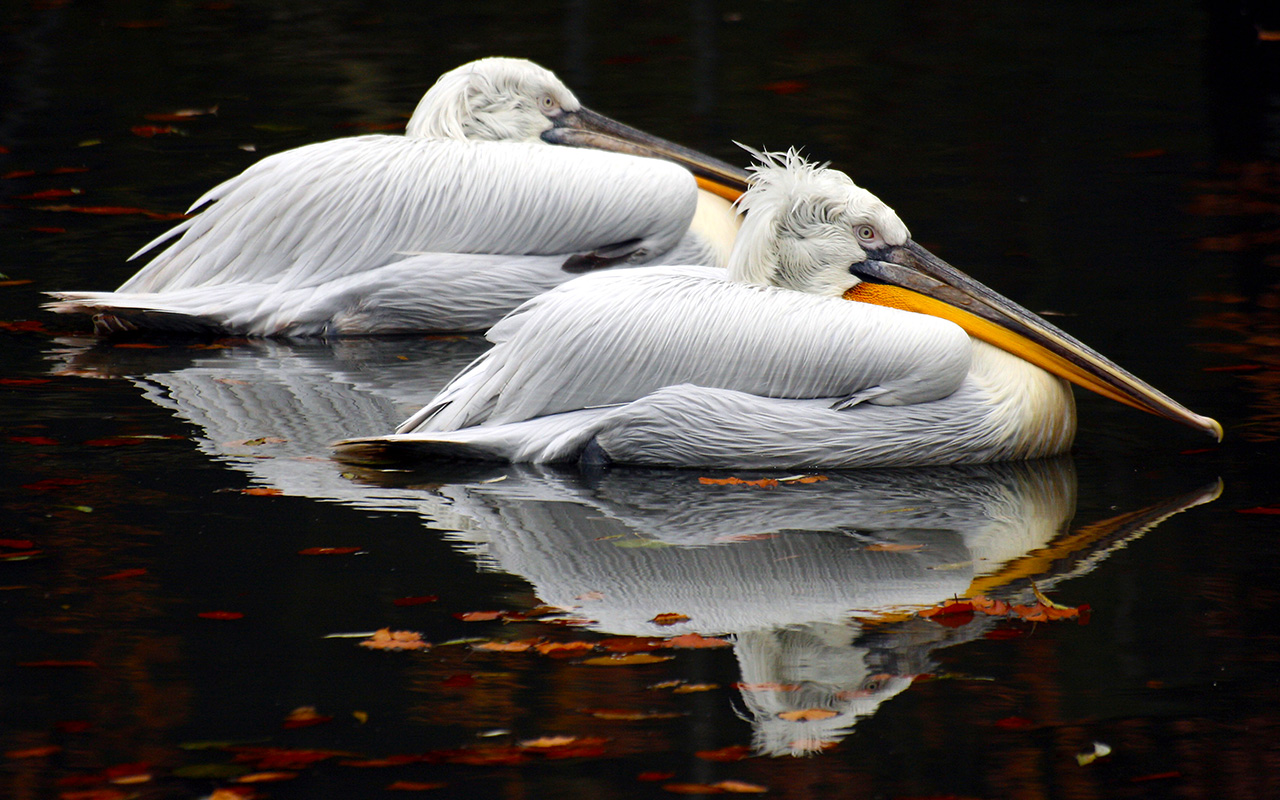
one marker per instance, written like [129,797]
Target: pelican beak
[911,278]
[586,128]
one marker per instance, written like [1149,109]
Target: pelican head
[514,100]
[811,228]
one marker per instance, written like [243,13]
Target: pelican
[446,228]
[832,340]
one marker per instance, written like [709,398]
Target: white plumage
[768,364]
[383,234]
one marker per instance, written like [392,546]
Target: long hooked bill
[911,278]
[586,128]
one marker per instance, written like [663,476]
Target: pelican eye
[548,103]
[866,233]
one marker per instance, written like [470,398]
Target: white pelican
[769,364]
[447,227]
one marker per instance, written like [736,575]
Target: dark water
[1115,163]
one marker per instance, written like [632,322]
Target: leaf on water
[49,194]
[266,777]
[951,615]
[1259,510]
[23,326]
[220,615]
[271,491]
[519,646]
[479,756]
[989,606]
[1014,723]
[655,776]
[42,441]
[415,786]
[785,87]
[49,484]
[459,681]
[690,688]
[114,211]
[807,714]
[330,551]
[147,131]
[695,640]
[761,483]
[563,648]
[138,346]
[34,752]
[389,761]
[415,601]
[479,616]
[124,574]
[669,618]
[621,660]
[37,229]
[305,717]
[59,663]
[630,644]
[387,639]
[17,544]
[740,787]
[628,715]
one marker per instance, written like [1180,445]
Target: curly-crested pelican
[769,364]
[448,227]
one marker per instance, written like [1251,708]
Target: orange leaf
[691,788]
[305,716]
[630,644]
[740,787]
[387,639]
[690,688]
[761,483]
[694,640]
[807,714]
[389,761]
[669,618]
[735,752]
[506,647]
[479,616]
[271,491]
[266,777]
[619,660]
[547,648]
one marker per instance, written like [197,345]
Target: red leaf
[1014,724]
[785,87]
[1259,510]
[48,194]
[52,662]
[655,776]
[17,544]
[329,551]
[18,173]
[462,681]
[220,615]
[23,326]
[72,726]
[1156,776]
[735,752]
[114,211]
[34,752]
[39,440]
[147,131]
[630,644]
[415,601]
[123,574]
[67,170]
[114,441]
[22,381]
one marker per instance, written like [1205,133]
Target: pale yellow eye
[548,103]
[866,233]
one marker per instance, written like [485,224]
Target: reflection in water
[816,582]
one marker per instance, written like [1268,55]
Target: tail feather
[115,320]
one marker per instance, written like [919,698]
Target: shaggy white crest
[807,224]
[493,99]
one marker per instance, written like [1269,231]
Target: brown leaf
[761,483]
[621,660]
[669,618]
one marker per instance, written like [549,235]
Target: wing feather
[616,337]
[333,209]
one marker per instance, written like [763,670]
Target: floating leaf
[506,647]
[387,639]
[181,114]
[740,787]
[621,660]
[271,491]
[415,601]
[1014,723]
[42,441]
[479,616]
[807,714]
[58,663]
[655,776]
[669,618]
[415,786]
[305,717]
[34,752]
[283,757]
[761,483]
[695,640]
[389,761]
[220,615]
[123,574]
[266,777]
[627,715]
[631,644]
[17,544]
[147,131]
[735,752]
[689,688]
